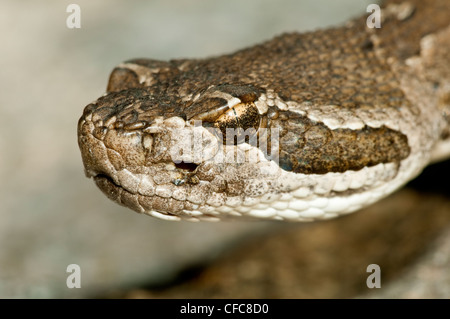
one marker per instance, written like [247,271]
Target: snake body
[302,127]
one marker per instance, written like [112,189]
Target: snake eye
[239,124]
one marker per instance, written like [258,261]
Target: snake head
[176,158]
[176,141]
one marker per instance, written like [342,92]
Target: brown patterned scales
[324,122]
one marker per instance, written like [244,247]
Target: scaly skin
[342,116]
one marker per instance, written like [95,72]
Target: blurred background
[52,216]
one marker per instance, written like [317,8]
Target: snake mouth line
[157,205]
[110,187]
[105,179]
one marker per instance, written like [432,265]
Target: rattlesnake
[323,123]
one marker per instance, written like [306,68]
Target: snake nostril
[186,166]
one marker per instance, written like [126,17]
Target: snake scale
[305,126]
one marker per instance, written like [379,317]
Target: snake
[305,126]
